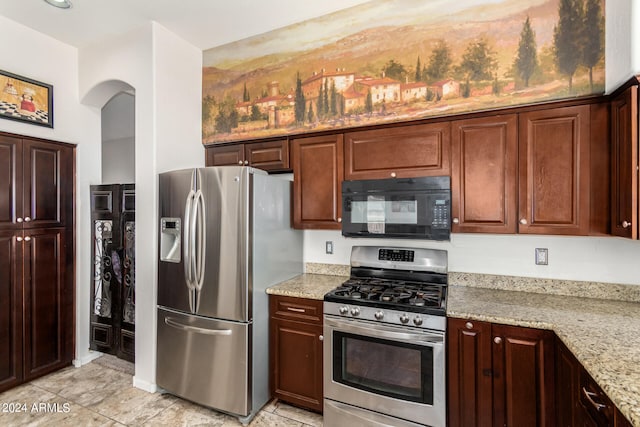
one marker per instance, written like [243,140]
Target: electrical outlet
[328,246]
[542,256]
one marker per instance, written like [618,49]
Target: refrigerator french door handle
[169,321]
[199,245]
[188,253]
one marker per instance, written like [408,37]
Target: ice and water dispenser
[170,238]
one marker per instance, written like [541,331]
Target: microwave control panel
[441,213]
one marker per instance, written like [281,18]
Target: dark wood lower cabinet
[11,311]
[296,351]
[581,402]
[499,375]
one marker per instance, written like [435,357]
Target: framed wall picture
[25,100]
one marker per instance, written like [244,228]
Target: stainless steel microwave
[406,208]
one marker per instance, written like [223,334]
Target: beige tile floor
[100,393]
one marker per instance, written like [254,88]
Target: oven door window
[384,367]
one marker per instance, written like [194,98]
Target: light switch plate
[542,256]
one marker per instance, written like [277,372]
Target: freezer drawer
[205,360]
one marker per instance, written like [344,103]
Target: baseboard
[92,355]
[144,385]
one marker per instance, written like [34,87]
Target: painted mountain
[399,60]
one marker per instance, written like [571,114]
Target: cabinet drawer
[293,308]
[595,403]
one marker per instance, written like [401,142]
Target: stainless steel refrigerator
[224,236]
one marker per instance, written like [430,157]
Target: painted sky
[330,28]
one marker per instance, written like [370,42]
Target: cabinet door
[48,184]
[419,150]
[47,302]
[317,178]
[554,171]
[567,387]
[523,385]
[225,155]
[624,164]
[268,156]
[484,175]
[470,373]
[10,182]
[11,309]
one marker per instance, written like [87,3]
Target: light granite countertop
[311,286]
[601,333]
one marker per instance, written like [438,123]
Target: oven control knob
[404,318]
[417,321]
[355,311]
[344,309]
[378,315]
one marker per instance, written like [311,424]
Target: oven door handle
[385,332]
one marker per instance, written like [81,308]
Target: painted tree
[526,60]
[319,102]
[245,94]
[333,100]
[227,117]
[368,102]
[310,114]
[593,35]
[478,61]
[325,100]
[439,62]
[567,37]
[395,70]
[418,76]
[299,100]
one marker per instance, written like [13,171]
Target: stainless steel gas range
[384,340]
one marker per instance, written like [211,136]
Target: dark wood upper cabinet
[484,175]
[10,182]
[624,164]
[554,175]
[225,155]
[317,178]
[407,151]
[271,156]
[37,183]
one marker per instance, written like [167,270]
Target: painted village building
[413,91]
[447,88]
[382,89]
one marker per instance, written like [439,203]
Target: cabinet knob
[321,338]
[19,219]
[19,239]
[393,174]
[27,219]
[456,221]
[246,162]
[626,224]
[339,219]
[523,221]
[468,325]
[27,239]
[240,162]
[497,340]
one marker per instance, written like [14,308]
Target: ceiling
[203,23]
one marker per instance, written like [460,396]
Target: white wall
[599,259]
[165,73]
[32,54]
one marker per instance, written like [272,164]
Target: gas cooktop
[402,279]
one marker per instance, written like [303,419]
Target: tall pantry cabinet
[36,257]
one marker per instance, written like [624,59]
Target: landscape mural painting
[400,60]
